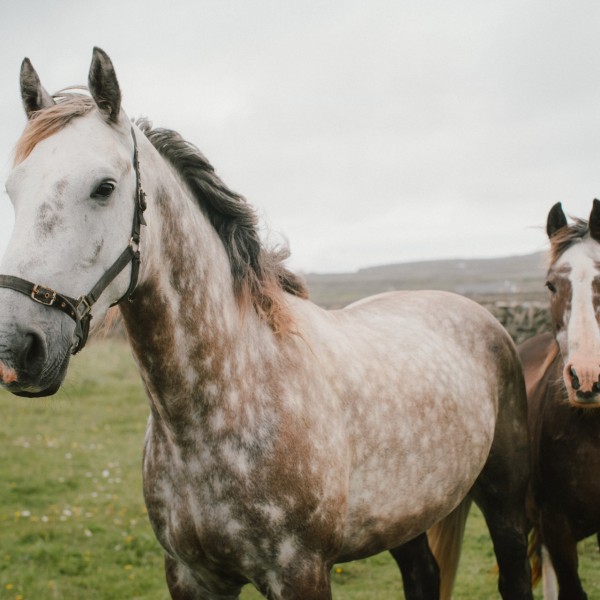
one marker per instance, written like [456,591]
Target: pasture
[72,518]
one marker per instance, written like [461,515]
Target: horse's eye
[104,190]
[551,287]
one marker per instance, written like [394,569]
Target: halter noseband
[80,310]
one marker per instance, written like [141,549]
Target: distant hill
[512,278]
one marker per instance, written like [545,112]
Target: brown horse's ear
[103,85]
[556,219]
[595,221]
[34,96]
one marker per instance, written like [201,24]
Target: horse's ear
[103,85]
[595,221]
[556,219]
[34,96]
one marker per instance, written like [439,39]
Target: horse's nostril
[33,353]
[33,348]
[574,379]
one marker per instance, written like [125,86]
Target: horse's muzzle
[28,365]
[583,385]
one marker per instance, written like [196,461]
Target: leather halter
[80,310]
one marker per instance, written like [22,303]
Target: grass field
[72,518]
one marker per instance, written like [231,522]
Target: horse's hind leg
[507,527]
[500,492]
[420,572]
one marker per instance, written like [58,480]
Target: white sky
[365,132]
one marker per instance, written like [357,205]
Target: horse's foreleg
[305,579]
[420,572]
[562,547]
[185,585]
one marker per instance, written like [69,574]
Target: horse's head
[73,187]
[574,285]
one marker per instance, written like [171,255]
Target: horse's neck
[186,329]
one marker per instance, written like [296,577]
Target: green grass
[72,518]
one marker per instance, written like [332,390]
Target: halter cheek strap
[80,310]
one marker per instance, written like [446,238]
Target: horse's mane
[567,236]
[258,272]
[259,275]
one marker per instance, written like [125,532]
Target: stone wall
[522,319]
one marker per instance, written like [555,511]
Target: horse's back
[436,334]
[436,329]
[434,312]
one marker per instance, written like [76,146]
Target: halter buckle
[43,295]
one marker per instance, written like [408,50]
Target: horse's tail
[534,553]
[445,541]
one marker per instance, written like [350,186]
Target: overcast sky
[365,132]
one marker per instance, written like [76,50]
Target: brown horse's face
[574,284]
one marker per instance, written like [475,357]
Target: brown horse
[282,438]
[562,373]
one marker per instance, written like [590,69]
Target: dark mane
[567,236]
[259,274]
